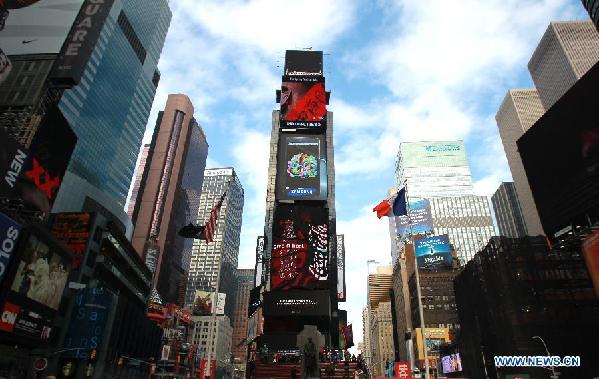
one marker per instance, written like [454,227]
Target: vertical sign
[402,370]
[259,261]
[340,267]
[9,234]
[81,41]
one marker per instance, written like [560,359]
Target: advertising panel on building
[34,286]
[340,268]
[300,252]
[564,174]
[88,320]
[420,220]
[13,158]
[259,261]
[73,229]
[50,153]
[297,303]
[433,252]
[9,236]
[301,170]
[80,42]
[451,363]
[303,102]
[433,154]
[203,304]
[302,62]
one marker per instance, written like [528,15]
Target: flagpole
[418,293]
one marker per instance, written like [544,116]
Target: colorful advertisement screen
[421,219]
[302,173]
[433,252]
[203,304]
[42,272]
[303,102]
[451,363]
[300,249]
[74,230]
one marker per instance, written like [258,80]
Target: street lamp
[554,374]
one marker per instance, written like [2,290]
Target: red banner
[402,370]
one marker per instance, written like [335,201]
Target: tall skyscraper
[566,52]
[508,213]
[137,182]
[378,295]
[109,108]
[433,168]
[217,260]
[175,160]
[439,171]
[520,109]
[592,7]
[382,332]
[245,277]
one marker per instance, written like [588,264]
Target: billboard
[302,62]
[433,252]
[590,251]
[22,322]
[203,304]
[433,154]
[259,261]
[421,219]
[340,268]
[297,303]
[300,250]
[302,168]
[41,272]
[13,158]
[564,174]
[9,235]
[451,363]
[303,103]
[50,153]
[88,320]
[73,229]
[80,42]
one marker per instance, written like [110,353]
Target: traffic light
[120,361]
[92,355]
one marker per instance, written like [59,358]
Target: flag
[210,227]
[397,203]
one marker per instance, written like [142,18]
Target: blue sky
[397,71]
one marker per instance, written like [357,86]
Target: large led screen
[297,303]
[300,249]
[419,222]
[42,272]
[560,154]
[433,252]
[302,173]
[303,103]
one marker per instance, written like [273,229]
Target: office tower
[245,283]
[403,312]
[382,336]
[433,168]
[175,160]
[216,262]
[109,108]
[520,109]
[367,350]
[439,172]
[592,6]
[466,219]
[378,292]
[519,288]
[221,339]
[508,213]
[137,182]
[567,50]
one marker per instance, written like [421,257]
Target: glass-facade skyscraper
[109,108]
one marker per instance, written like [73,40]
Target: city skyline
[402,95]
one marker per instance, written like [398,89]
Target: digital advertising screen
[451,363]
[303,103]
[297,303]
[203,304]
[259,261]
[302,173]
[564,173]
[303,62]
[73,229]
[42,272]
[20,321]
[300,249]
[340,268]
[433,252]
[421,219]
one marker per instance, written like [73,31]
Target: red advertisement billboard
[74,230]
[300,250]
[303,102]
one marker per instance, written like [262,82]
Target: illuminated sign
[303,103]
[9,234]
[259,261]
[219,172]
[304,303]
[301,169]
[340,268]
[433,252]
[74,230]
